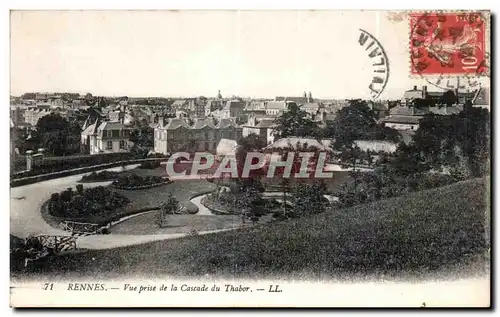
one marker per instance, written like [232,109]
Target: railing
[46,245]
[79,227]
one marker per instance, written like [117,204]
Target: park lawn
[143,200]
[159,171]
[145,224]
[418,234]
[162,170]
[182,190]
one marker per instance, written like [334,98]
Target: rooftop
[201,123]
[296,143]
[403,119]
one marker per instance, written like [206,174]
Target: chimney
[424,92]
[414,87]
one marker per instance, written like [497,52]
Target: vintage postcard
[245,158]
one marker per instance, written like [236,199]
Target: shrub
[134,180]
[105,231]
[150,165]
[66,195]
[54,197]
[79,189]
[100,176]
[89,202]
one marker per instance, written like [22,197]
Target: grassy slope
[419,233]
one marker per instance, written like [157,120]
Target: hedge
[58,163]
[43,177]
[141,187]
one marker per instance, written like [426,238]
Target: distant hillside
[420,233]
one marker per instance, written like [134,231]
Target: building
[213,105]
[276,108]
[226,148]
[17,114]
[255,105]
[203,134]
[262,127]
[403,122]
[199,107]
[298,143]
[192,107]
[307,98]
[233,109]
[311,108]
[106,137]
[408,118]
[407,115]
[380,109]
[32,115]
[376,146]
[435,97]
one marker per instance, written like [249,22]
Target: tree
[171,206]
[448,98]
[79,189]
[257,209]
[353,122]
[250,143]
[248,202]
[102,102]
[285,189]
[460,142]
[295,122]
[143,139]
[309,199]
[57,135]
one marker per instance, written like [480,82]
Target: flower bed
[136,182]
[99,177]
[85,202]
[102,220]
[215,206]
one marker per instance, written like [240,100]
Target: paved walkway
[202,210]
[26,219]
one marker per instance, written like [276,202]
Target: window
[122,144]
[116,133]
[109,145]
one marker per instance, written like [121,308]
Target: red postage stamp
[448,43]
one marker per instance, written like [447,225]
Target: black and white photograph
[250,158]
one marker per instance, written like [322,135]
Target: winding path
[202,210]
[26,218]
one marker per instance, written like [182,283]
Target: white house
[106,137]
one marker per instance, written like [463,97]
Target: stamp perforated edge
[487,18]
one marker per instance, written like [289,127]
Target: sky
[193,53]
